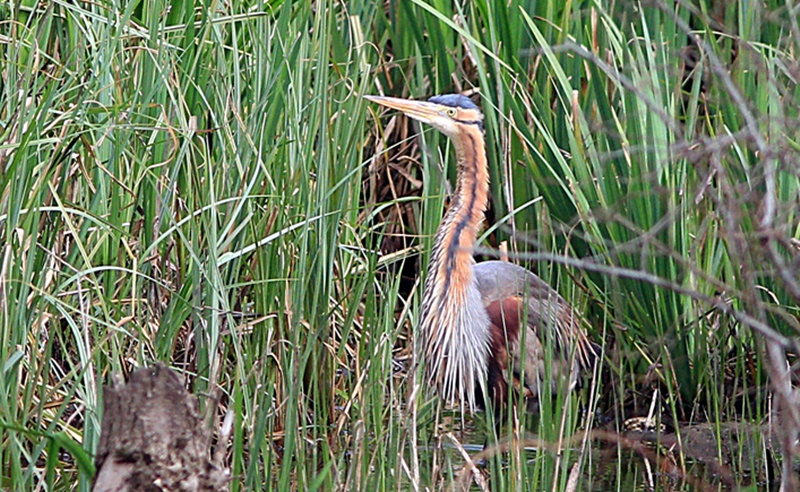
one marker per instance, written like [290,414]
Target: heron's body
[472,318]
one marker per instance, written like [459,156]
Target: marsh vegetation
[203,185]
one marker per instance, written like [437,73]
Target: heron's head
[451,114]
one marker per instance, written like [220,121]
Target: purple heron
[470,324]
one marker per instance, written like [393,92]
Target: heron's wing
[514,296]
[500,279]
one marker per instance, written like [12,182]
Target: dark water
[618,468]
[628,470]
[725,456]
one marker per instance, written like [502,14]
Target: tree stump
[154,439]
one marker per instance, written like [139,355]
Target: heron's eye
[452,112]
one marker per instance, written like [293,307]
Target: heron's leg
[494,430]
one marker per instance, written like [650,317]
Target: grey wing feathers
[501,279]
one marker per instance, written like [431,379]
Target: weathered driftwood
[153,438]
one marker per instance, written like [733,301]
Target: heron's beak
[423,111]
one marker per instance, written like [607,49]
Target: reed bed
[203,185]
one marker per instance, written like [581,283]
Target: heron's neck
[457,233]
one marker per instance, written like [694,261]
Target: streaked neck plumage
[454,324]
